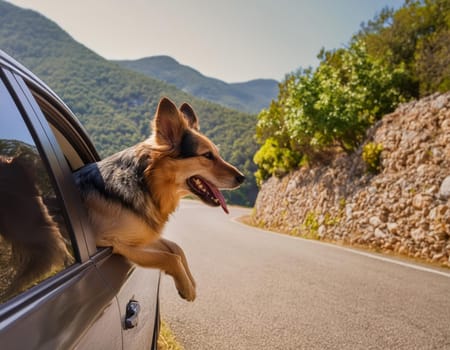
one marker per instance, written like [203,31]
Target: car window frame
[42,134]
[31,113]
[76,134]
[17,79]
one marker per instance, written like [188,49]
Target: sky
[231,40]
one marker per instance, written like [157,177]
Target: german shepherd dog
[130,195]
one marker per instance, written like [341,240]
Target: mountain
[116,104]
[248,97]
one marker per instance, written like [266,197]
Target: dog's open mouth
[207,192]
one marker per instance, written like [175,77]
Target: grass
[167,340]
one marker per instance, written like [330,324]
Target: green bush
[274,160]
[372,156]
[324,111]
[311,225]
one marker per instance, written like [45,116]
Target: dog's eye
[208,155]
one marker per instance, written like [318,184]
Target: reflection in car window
[34,241]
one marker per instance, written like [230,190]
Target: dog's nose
[240,178]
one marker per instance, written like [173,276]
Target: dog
[130,195]
[32,239]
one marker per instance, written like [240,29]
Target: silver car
[57,289]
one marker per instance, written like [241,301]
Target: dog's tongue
[220,197]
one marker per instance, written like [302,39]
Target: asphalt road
[259,290]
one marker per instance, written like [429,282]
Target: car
[58,290]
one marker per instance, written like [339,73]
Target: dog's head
[187,158]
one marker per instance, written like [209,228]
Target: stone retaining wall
[405,208]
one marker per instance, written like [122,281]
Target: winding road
[259,290]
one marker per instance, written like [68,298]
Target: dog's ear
[168,124]
[190,116]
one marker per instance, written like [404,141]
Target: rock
[421,170]
[446,125]
[379,233]
[438,212]
[438,256]
[392,227]
[349,211]
[417,235]
[437,154]
[439,103]
[375,221]
[321,232]
[444,190]
[421,201]
[402,250]
[367,237]
[372,190]
[442,209]
[292,184]
[432,190]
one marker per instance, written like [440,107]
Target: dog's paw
[187,293]
[190,298]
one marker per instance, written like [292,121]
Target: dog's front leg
[165,256]
[172,247]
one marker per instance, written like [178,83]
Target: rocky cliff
[404,208]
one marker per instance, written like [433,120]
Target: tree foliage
[416,37]
[397,56]
[321,111]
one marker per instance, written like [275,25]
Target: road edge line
[348,249]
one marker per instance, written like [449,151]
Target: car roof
[38,85]
[12,64]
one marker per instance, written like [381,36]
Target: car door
[39,215]
[136,290]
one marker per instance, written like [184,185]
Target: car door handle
[132,313]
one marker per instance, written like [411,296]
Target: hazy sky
[232,40]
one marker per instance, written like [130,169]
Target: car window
[72,141]
[34,239]
[66,142]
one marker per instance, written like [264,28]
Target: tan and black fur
[130,195]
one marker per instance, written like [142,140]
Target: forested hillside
[115,104]
[251,96]
[398,56]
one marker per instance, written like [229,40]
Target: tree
[416,37]
[321,112]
